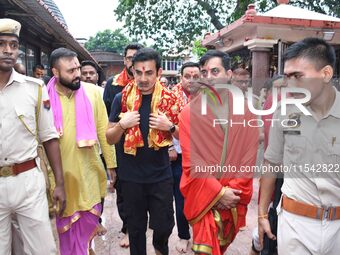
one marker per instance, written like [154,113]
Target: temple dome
[54,8]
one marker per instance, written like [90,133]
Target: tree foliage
[108,40]
[198,50]
[175,24]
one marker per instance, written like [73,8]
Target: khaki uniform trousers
[25,195]
[298,235]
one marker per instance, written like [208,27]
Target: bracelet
[121,126]
[265,216]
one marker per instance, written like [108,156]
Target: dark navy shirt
[110,92]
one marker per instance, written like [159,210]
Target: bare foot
[125,241]
[158,252]
[182,246]
[101,230]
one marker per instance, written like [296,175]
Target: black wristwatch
[172,129]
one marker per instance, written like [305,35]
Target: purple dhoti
[77,231]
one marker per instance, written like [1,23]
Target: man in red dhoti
[215,190]
[185,91]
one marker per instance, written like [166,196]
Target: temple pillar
[261,51]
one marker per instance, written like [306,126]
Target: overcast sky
[86,18]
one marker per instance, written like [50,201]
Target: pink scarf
[86,134]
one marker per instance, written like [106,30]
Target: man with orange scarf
[185,91]
[216,191]
[115,85]
[143,119]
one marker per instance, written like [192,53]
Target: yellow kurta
[84,173]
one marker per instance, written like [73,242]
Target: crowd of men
[157,146]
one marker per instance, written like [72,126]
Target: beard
[191,89]
[73,85]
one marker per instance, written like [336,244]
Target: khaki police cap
[9,27]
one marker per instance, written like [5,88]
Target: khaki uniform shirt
[310,154]
[19,99]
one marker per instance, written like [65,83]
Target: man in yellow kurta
[81,120]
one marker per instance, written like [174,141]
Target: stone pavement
[109,244]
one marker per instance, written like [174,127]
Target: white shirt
[19,98]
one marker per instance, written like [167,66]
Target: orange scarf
[163,100]
[178,90]
[202,145]
[122,79]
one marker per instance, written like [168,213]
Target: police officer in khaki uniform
[22,184]
[308,147]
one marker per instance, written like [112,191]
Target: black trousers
[102,200]
[270,246]
[155,199]
[120,205]
[182,223]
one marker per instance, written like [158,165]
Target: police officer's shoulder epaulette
[34,81]
[290,108]
[278,108]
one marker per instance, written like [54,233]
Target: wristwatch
[172,128]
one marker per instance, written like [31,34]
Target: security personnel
[308,148]
[22,183]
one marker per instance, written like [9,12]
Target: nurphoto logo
[238,100]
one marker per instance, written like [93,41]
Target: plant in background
[198,50]
[108,40]
[173,25]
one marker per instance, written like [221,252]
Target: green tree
[175,24]
[198,50]
[108,40]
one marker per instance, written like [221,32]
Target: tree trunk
[212,13]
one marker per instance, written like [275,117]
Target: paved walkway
[109,244]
